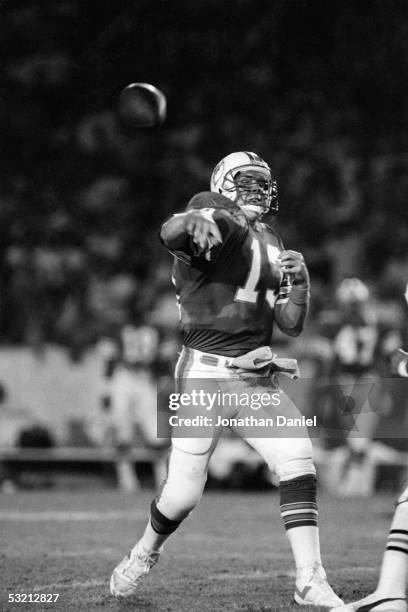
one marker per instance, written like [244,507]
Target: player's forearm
[173,233]
[291,315]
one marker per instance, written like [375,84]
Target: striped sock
[298,502]
[393,574]
[398,540]
[299,512]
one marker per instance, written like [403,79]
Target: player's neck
[256,225]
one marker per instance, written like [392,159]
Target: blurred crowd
[66,297]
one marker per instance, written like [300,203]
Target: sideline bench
[14,461]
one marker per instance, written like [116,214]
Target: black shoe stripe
[302,594]
[369,607]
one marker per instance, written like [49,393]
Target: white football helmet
[352,290]
[225,173]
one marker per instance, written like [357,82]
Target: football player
[390,594]
[231,275]
[355,356]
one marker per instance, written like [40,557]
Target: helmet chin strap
[247,200]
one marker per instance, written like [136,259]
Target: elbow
[163,235]
[169,238]
[291,319]
[167,232]
[293,331]
[172,233]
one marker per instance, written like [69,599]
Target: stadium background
[318,89]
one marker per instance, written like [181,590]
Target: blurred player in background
[355,362]
[354,336]
[129,399]
[390,594]
[232,281]
[133,394]
[357,335]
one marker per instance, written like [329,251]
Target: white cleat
[375,603]
[131,570]
[313,589]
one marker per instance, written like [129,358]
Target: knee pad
[183,488]
[294,468]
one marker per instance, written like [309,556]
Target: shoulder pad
[218,202]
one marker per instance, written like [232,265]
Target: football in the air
[142,105]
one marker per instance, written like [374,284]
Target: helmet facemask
[253,191]
[244,176]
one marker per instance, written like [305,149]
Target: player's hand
[293,264]
[203,230]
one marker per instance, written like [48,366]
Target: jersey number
[248,293]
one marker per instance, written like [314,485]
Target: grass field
[231,554]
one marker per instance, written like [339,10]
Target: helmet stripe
[253,157]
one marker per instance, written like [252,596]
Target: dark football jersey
[355,344]
[227,296]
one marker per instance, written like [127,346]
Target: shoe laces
[315,574]
[140,558]
[318,580]
[315,577]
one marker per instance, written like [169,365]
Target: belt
[214,360]
[255,361]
